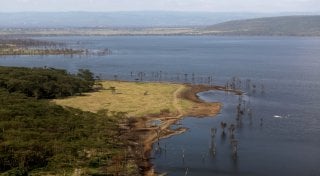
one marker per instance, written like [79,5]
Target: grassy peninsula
[135,98]
[55,123]
[145,103]
[140,99]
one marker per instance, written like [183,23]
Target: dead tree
[223,126]
[185,77]
[234,144]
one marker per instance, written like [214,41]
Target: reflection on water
[260,151]
[280,137]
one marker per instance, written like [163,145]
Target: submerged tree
[223,126]
[234,144]
[232,128]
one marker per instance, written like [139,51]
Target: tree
[223,126]
[113,90]
[45,83]
[86,75]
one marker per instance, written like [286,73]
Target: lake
[284,70]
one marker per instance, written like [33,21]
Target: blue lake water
[288,142]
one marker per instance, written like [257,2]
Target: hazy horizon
[164,11]
[245,6]
[127,18]
[144,13]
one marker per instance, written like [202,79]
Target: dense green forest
[45,83]
[38,137]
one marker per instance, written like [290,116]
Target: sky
[161,5]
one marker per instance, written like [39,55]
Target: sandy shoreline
[150,135]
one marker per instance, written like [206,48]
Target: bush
[164,111]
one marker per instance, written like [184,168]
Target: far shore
[149,31]
[146,104]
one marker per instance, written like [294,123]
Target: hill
[286,25]
[121,19]
[157,23]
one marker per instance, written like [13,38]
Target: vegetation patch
[34,47]
[45,83]
[41,138]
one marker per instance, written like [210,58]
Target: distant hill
[286,25]
[121,19]
[156,23]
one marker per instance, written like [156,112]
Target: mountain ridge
[294,25]
[299,25]
[121,19]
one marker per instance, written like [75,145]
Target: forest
[38,137]
[45,82]
[13,46]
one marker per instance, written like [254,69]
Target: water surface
[288,68]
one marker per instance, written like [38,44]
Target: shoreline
[150,109]
[150,135]
[140,31]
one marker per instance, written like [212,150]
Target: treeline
[38,137]
[23,46]
[24,42]
[45,83]
[12,46]
[26,51]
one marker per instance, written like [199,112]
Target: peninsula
[151,108]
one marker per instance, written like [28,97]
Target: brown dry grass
[130,97]
[179,99]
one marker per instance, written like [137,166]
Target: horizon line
[176,11]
